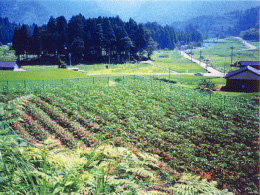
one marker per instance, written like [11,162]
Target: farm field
[218,52]
[174,61]
[188,131]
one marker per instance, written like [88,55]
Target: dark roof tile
[7,64]
[249,63]
[242,70]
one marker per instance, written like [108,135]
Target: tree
[36,42]
[152,46]
[24,40]
[62,38]
[17,46]
[77,49]
[109,36]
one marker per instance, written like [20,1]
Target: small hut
[246,79]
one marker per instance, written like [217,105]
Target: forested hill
[231,23]
[7,30]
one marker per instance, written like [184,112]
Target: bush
[206,84]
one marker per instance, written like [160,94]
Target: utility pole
[109,56]
[70,58]
[200,56]
[225,66]
[232,48]
[191,54]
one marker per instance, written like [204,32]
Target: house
[246,79]
[8,65]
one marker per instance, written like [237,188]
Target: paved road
[211,71]
[247,45]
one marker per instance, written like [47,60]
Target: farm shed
[246,79]
[8,65]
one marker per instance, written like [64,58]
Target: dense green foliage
[98,39]
[166,37]
[191,131]
[250,34]
[6,31]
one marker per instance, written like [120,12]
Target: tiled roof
[249,63]
[257,72]
[7,64]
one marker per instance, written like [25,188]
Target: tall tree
[17,45]
[62,38]
[36,42]
[109,36]
[24,39]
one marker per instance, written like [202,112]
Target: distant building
[8,65]
[246,79]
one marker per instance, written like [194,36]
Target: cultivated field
[190,131]
[69,132]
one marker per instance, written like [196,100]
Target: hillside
[231,23]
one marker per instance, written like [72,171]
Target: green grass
[120,68]
[40,67]
[174,61]
[40,74]
[255,43]
[218,52]
[190,81]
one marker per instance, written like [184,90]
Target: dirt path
[211,71]
[247,45]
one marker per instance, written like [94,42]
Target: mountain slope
[24,12]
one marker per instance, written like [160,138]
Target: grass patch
[120,68]
[176,62]
[40,74]
[191,81]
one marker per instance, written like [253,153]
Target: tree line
[167,37]
[93,40]
[99,39]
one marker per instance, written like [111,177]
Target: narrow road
[211,71]
[247,45]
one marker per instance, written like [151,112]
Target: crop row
[186,128]
[199,124]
